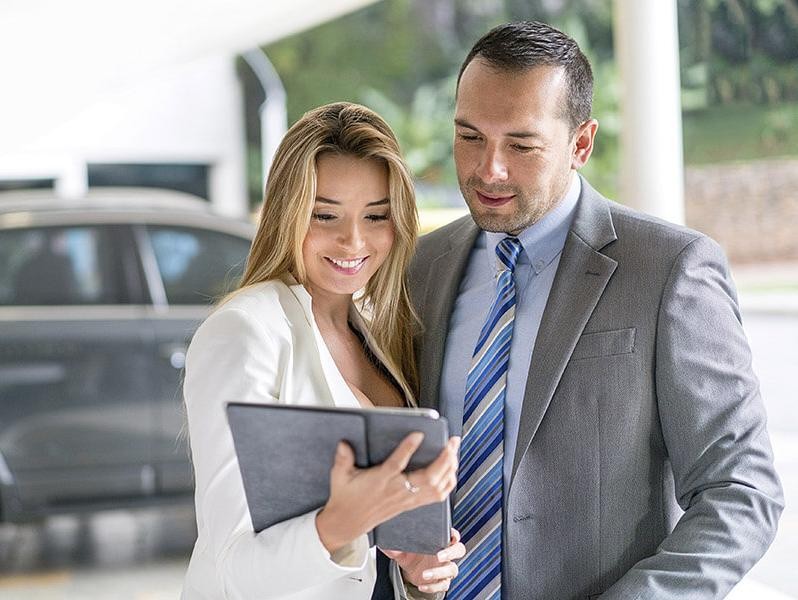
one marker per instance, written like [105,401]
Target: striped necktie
[478,500]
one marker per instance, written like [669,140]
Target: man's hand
[430,573]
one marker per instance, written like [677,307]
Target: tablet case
[285,453]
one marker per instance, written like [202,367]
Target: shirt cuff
[352,557]
[404,590]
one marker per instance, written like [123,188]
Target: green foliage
[424,128]
[757,132]
[748,50]
[378,47]
[400,58]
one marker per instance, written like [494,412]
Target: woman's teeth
[348,264]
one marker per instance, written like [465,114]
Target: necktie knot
[507,252]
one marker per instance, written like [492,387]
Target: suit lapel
[442,284]
[581,277]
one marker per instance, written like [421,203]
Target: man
[614,442]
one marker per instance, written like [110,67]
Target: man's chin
[494,223]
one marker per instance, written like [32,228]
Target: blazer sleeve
[233,358]
[714,426]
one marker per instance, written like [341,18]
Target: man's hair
[526,44]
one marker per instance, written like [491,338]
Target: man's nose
[492,166]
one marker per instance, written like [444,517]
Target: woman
[338,217]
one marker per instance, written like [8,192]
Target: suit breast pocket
[605,343]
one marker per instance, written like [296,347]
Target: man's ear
[583,143]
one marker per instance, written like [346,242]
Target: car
[99,298]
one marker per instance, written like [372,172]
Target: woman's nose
[351,237]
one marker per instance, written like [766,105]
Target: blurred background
[133,146]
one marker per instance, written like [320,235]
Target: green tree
[400,57]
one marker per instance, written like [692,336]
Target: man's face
[512,144]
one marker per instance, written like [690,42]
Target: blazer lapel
[581,277]
[442,284]
[340,393]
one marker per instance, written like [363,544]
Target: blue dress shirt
[543,243]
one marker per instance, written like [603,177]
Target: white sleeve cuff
[352,557]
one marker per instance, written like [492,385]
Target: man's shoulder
[436,243]
[440,238]
[640,230]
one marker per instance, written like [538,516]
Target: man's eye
[467,137]
[523,149]
[323,216]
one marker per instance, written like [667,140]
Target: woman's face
[351,230]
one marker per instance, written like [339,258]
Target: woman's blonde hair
[352,130]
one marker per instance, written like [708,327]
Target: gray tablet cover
[285,454]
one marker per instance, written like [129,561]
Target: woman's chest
[368,382]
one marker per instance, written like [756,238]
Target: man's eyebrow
[524,134]
[464,123]
[513,134]
[324,200]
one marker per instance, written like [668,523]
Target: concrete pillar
[273,112]
[73,181]
[647,51]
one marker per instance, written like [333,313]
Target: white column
[227,183]
[273,112]
[73,181]
[647,51]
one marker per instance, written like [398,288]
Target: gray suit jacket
[643,467]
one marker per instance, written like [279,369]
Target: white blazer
[261,346]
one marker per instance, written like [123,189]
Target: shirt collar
[543,241]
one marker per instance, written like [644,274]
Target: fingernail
[418,436]
[442,556]
[340,448]
[427,574]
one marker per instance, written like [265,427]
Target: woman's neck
[331,311]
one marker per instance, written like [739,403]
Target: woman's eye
[467,137]
[323,217]
[376,218]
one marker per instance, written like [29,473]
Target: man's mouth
[347,266]
[493,200]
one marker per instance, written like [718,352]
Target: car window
[197,266]
[58,266]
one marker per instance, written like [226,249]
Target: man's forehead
[515,99]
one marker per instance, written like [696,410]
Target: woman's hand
[361,499]
[430,573]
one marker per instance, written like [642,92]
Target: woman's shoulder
[264,305]
[258,296]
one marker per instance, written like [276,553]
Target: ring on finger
[413,489]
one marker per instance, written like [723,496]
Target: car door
[188,269]
[75,411]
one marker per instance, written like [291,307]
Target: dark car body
[98,301]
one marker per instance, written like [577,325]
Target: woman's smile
[347,266]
